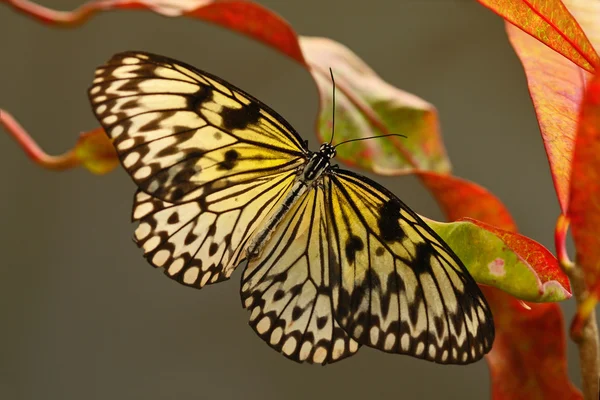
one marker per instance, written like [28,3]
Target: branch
[584,329]
[587,340]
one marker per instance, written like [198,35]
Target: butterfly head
[327,150]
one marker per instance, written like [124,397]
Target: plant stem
[587,341]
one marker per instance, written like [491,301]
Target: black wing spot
[389,226]
[154,123]
[353,245]
[129,104]
[240,118]
[422,261]
[213,249]
[190,238]
[217,135]
[203,96]
[279,294]
[211,230]
[380,251]
[173,218]
[321,322]
[177,194]
[231,157]
[280,277]
[194,154]
[297,313]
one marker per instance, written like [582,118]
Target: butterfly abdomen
[260,238]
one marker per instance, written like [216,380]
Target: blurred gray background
[84,316]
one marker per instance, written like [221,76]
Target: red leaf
[242,16]
[584,210]
[550,22]
[528,358]
[556,87]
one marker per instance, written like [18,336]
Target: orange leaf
[550,22]
[587,14]
[584,210]
[96,152]
[460,198]
[556,87]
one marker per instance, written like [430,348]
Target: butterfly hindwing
[287,290]
[396,285]
[210,161]
[196,245]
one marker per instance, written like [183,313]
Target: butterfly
[334,260]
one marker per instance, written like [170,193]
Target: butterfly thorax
[318,163]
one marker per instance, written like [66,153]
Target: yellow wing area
[183,134]
[396,286]
[287,288]
[210,161]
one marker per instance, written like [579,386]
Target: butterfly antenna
[367,138]
[333,118]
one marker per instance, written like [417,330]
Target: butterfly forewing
[182,133]
[287,288]
[210,160]
[396,285]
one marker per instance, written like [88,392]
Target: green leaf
[367,106]
[505,260]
